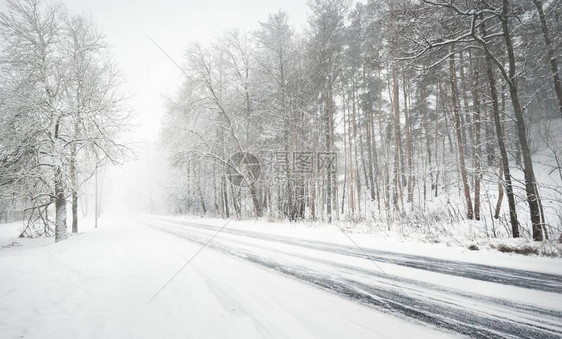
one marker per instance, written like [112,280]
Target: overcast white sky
[173,24]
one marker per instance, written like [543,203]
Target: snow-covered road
[98,284]
[266,280]
[477,300]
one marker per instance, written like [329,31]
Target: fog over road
[481,301]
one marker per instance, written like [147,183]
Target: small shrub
[525,250]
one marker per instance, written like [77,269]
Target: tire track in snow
[441,313]
[502,275]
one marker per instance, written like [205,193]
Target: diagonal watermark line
[367,256]
[188,261]
[169,57]
[214,235]
[220,230]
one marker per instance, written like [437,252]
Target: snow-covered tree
[61,107]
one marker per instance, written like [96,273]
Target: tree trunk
[215,190]
[235,200]
[423,108]
[255,200]
[397,140]
[477,138]
[437,143]
[501,140]
[60,208]
[458,127]
[345,152]
[465,117]
[499,204]
[224,195]
[350,162]
[200,192]
[371,143]
[74,188]
[356,135]
[409,146]
[550,53]
[329,113]
[530,182]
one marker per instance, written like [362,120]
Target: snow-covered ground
[98,284]
[266,280]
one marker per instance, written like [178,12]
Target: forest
[402,113]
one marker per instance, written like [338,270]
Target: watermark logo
[244,169]
[275,168]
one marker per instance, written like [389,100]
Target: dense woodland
[61,114]
[437,110]
[396,112]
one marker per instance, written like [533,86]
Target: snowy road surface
[253,282]
[477,300]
